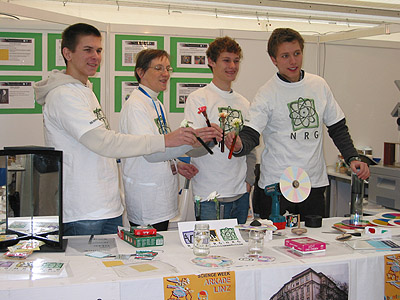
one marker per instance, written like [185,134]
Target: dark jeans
[162,226]
[89,227]
[237,209]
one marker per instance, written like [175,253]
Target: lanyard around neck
[163,124]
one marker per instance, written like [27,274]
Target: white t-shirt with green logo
[290,117]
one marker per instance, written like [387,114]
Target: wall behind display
[360,73]
[362,77]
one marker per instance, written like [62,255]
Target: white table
[88,278]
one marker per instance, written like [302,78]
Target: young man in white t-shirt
[289,111]
[75,123]
[217,172]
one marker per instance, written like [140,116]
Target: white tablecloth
[88,278]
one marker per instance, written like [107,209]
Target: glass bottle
[256,241]
[357,195]
[201,239]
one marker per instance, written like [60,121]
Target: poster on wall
[181,88]
[55,59]
[189,55]
[128,46]
[96,87]
[124,85]
[20,51]
[17,96]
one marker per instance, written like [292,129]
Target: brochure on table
[222,233]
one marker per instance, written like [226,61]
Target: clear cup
[201,239]
[256,241]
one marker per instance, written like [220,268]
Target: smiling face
[225,69]
[156,79]
[289,60]
[85,60]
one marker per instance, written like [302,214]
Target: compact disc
[295,185]
[381,222]
[395,222]
[389,215]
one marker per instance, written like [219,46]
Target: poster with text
[124,85]
[205,286]
[189,55]
[180,90]
[17,96]
[55,59]
[128,46]
[392,276]
[20,51]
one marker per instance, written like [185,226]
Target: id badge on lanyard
[163,126]
[173,166]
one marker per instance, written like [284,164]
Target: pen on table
[91,238]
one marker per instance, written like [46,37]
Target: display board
[342,64]
[20,51]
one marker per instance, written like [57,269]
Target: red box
[305,244]
[143,230]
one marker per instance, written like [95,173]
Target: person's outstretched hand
[229,140]
[180,136]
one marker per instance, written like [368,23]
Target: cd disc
[389,215]
[295,184]
[395,222]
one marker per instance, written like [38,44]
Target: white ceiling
[314,17]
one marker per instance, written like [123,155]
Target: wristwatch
[357,158]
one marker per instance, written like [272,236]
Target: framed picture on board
[55,59]
[17,96]
[128,46]
[123,87]
[180,88]
[188,55]
[20,51]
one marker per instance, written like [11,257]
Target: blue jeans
[238,209]
[96,227]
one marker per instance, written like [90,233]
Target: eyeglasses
[161,68]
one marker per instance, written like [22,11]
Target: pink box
[305,244]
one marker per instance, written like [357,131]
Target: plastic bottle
[201,239]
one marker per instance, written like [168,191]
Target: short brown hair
[144,58]
[223,44]
[282,35]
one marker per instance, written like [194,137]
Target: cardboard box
[143,230]
[143,241]
[305,244]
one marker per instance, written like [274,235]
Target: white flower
[236,122]
[212,196]
[185,123]
[197,198]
